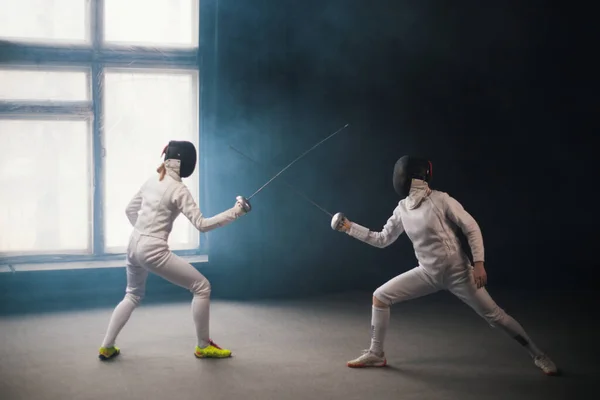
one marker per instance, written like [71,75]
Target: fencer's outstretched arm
[183,200]
[391,231]
[457,214]
[133,208]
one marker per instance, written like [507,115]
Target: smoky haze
[464,85]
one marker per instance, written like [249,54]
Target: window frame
[95,57]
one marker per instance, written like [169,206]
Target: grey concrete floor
[437,348]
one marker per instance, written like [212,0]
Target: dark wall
[490,92]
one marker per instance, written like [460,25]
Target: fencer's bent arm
[457,214]
[183,200]
[133,208]
[391,231]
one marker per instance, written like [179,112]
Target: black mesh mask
[185,152]
[408,168]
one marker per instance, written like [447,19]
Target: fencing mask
[408,168]
[183,151]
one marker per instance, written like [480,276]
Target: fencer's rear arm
[133,208]
[183,200]
[391,231]
[457,214]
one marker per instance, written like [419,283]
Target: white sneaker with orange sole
[368,359]
[544,363]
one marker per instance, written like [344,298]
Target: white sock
[516,331]
[380,319]
[201,313]
[119,318]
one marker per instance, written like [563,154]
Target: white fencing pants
[458,280]
[148,254]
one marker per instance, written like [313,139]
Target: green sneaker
[212,351]
[106,353]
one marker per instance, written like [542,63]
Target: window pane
[44,186]
[143,111]
[43,85]
[157,22]
[44,20]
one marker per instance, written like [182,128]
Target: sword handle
[245,203]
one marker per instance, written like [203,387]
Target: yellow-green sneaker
[212,351]
[106,353]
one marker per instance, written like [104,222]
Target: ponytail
[162,170]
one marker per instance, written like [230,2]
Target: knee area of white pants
[136,299]
[201,288]
[383,300]
[495,317]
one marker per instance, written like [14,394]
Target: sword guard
[337,220]
[245,203]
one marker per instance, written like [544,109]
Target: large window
[90,93]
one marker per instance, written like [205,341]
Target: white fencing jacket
[155,206]
[429,218]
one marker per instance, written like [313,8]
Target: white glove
[238,209]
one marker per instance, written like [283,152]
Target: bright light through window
[143,111]
[45,186]
[62,128]
[156,22]
[43,85]
[45,20]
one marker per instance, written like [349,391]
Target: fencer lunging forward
[431,219]
[161,199]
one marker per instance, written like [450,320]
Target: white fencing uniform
[430,219]
[160,202]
